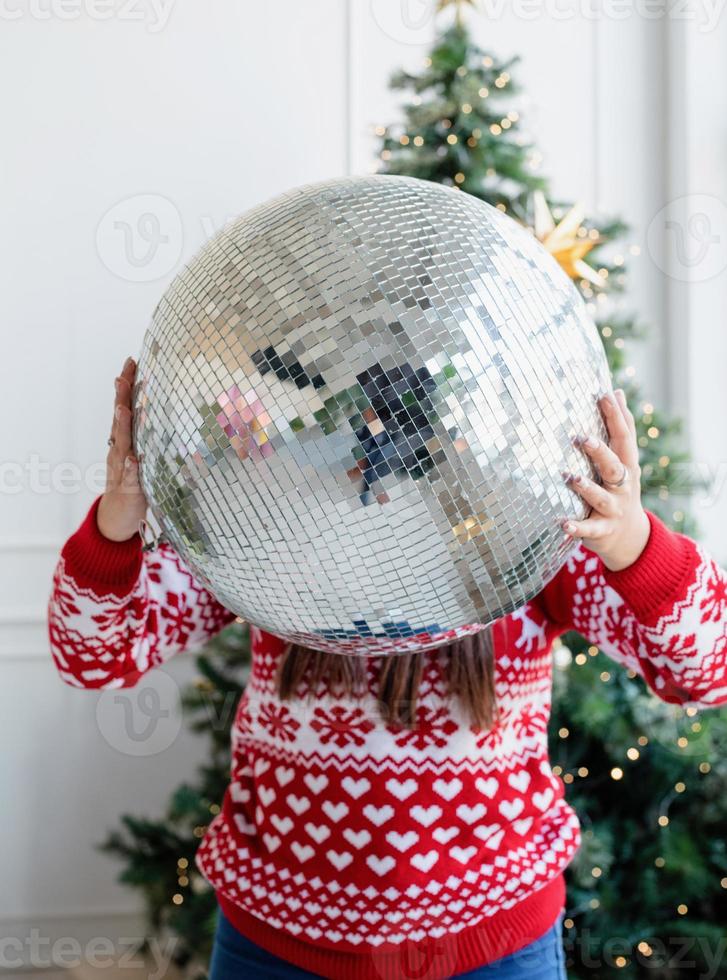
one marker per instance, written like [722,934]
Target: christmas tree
[647,891]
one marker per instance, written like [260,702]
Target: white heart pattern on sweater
[425,862]
[356,787]
[426,816]
[339,860]
[318,833]
[443,835]
[378,814]
[304,852]
[284,775]
[401,790]
[335,811]
[402,842]
[359,838]
[448,788]
[511,808]
[316,784]
[298,804]
[380,865]
[519,781]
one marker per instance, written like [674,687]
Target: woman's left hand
[618,527]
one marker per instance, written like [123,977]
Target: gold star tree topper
[563,241]
[457,4]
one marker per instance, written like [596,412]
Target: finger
[129,369]
[607,462]
[627,413]
[122,432]
[114,468]
[598,497]
[113,440]
[621,439]
[119,384]
[592,529]
[123,384]
[130,474]
[613,417]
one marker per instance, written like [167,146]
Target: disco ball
[354,407]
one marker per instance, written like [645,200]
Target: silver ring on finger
[615,486]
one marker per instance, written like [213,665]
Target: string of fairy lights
[563,659]
[562,655]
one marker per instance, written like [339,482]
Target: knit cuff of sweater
[97,563]
[659,577]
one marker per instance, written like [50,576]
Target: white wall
[198,111]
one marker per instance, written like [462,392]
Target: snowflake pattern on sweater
[350,833]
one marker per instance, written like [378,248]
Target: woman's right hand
[122,503]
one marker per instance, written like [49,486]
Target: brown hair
[469,667]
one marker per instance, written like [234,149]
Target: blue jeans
[234,957]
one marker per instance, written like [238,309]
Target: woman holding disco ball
[659,571]
[394,814]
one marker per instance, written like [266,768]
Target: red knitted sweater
[357,849]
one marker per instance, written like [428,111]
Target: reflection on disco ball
[354,406]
